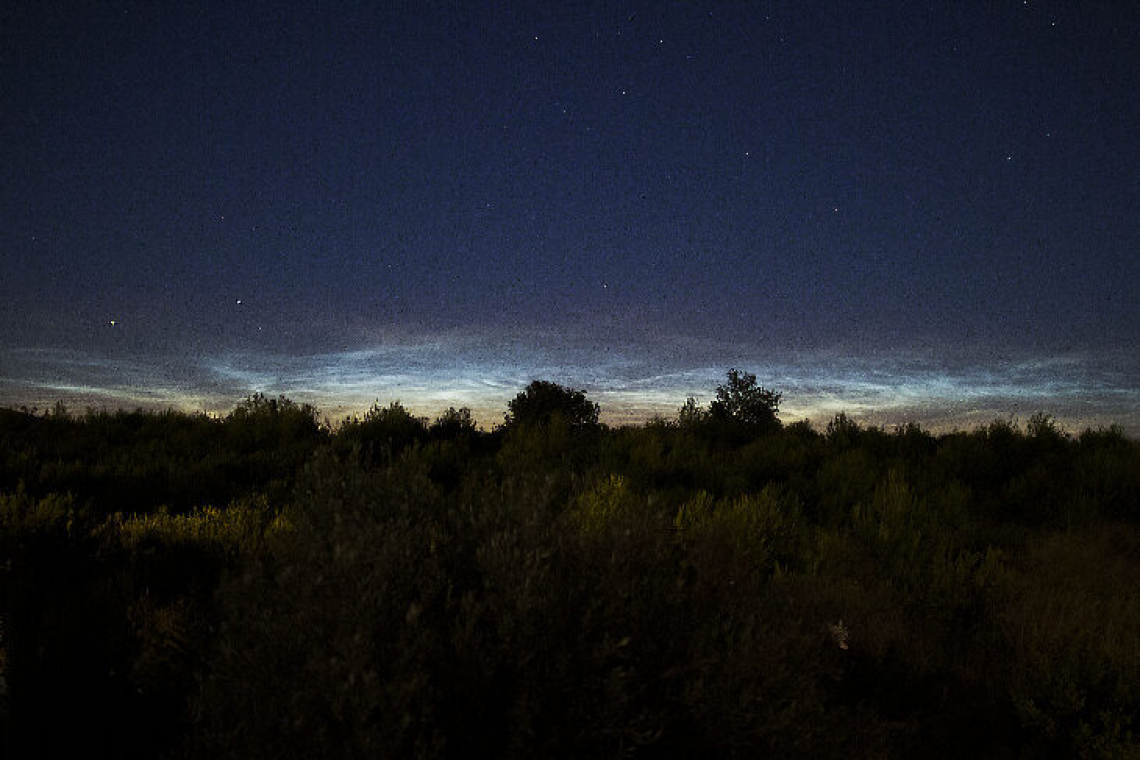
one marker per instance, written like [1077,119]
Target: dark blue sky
[627,196]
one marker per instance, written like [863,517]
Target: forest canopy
[264,585]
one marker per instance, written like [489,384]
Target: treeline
[261,585]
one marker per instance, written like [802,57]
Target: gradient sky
[909,211]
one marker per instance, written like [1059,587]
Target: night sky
[908,211]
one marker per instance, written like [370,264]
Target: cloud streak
[632,381]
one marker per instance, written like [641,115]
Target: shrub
[599,505]
[543,403]
[1070,615]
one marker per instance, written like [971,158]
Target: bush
[544,404]
[1070,613]
[383,433]
[563,589]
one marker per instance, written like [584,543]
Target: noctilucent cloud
[905,211]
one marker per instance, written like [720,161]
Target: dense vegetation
[721,583]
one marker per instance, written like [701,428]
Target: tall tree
[543,401]
[741,402]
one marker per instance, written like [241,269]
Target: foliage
[382,434]
[453,423]
[557,588]
[598,506]
[691,414]
[743,403]
[1067,612]
[137,461]
[543,404]
[237,529]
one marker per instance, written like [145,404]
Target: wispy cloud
[483,369]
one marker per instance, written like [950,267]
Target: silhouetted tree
[742,403]
[392,425]
[258,405]
[543,401]
[842,431]
[691,414]
[259,419]
[453,423]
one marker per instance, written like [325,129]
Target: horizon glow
[429,372]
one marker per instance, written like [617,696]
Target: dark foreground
[260,586]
